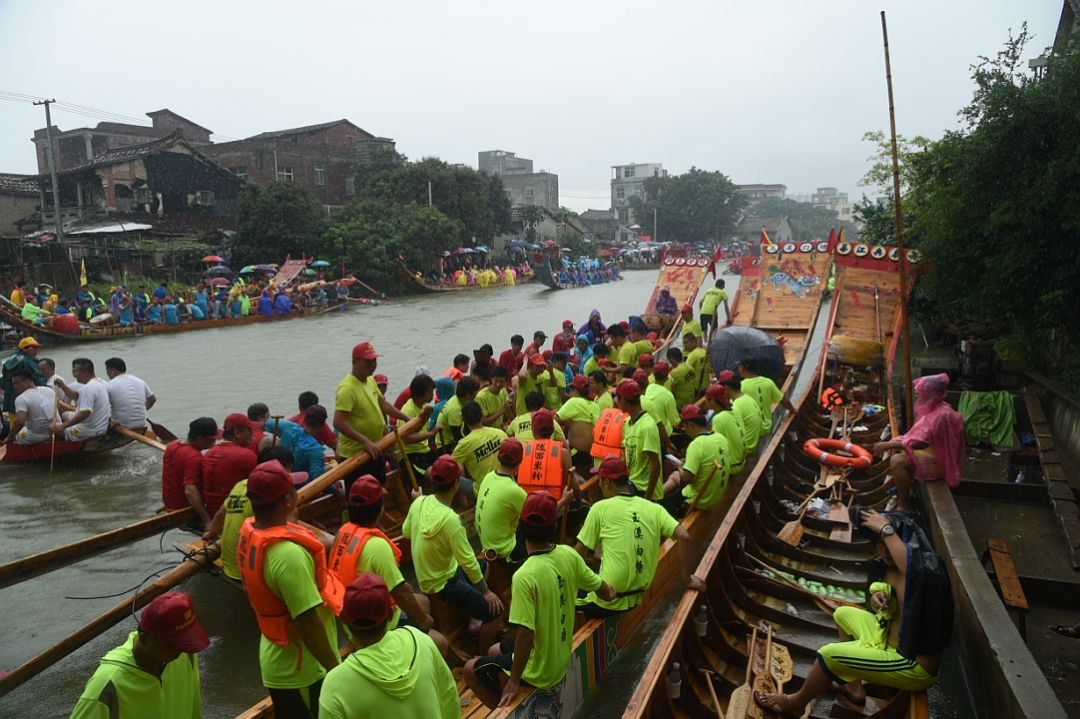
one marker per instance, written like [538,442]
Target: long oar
[139,437]
[52,559]
[161,431]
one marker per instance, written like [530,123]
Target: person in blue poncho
[282,304]
[266,305]
[444,390]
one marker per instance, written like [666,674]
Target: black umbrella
[731,345]
[219,270]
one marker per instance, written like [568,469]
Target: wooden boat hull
[683,276]
[421,286]
[42,451]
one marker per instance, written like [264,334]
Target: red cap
[628,389]
[661,367]
[567,324]
[171,619]
[366,491]
[606,363]
[445,471]
[613,467]
[511,451]
[381,379]
[652,337]
[717,393]
[726,376]
[543,419]
[268,483]
[645,360]
[625,325]
[641,376]
[688,308]
[692,411]
[547,355]
[364,350]
[237,420]
[537,359]
[580,382]
[540,510]
[367,602]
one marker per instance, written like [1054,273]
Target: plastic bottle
[673,682]
[701,621]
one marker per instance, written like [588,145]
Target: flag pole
[904,331]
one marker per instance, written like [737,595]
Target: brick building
[82,144]
[521,184]
[318,156]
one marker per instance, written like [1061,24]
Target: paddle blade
[739,702]
[162,432]
[792,532]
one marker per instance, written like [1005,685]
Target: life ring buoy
[823,450]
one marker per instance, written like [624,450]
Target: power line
[74,108]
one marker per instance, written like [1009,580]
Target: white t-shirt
[51,383]
[93,396]
[127,396]
[38,405]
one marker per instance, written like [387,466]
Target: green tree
[275,221]
[996,210]
[807,222]
[878,218]
[696,206]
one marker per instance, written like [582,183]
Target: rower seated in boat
[33,409]
[897,642]
[933,448]
[703,477]
[90,417]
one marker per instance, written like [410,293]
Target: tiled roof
[305,129]
[18,184]
[124,154]
[754,224]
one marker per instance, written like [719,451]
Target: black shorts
[517,555]
[375,467]
[675,503]
[297,703]
[463,596]
[492,670]
[422,460]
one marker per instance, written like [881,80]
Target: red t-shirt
[491,364]
[562,343]
[257,433]
[511,361]
[222,467]
[326,434]
[181,465]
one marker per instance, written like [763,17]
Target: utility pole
[51,159]
[429,193]
[655,227]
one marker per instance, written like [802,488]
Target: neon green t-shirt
[628,355]
[237,509]
[664,403]
[628,530]
[553,391]
[698,362]
[478,451]
[492,402]
[704,453]
[439,544]
[412,409]
[692,327]
[641,437]
[603,401]
[521,429]
[746,409]
[727,424]
[498,510]
[401,676]
[643,347]
[361,401]
[579,409]
[289,572]
[450,417]
[591,365]
[119,682]
[766,394]
[531,384]
[681,383]
[378,558]
[544,589]
[711,299]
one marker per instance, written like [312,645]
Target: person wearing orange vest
[360,546]
[294,595]
[608,432]
[546,464]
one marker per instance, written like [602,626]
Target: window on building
[624,214]
[320,173]
[240,171]
[350,185]
[530,193]
[509,194]
[142,195]
[204,197]
[656,172]
[620,193]
[285,174]
[628,172]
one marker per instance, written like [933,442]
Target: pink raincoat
[938,429]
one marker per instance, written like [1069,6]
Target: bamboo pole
[904,332]
[185,570]
[52,559]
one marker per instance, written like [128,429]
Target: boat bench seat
[1012,593]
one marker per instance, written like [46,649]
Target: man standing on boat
[90,418]
[129,397]
[360,413]
[899,641]
[544,591]
[564,341]
[710,303]
[24,357]
[155,673]
[512,358]
[295,596]
[764,392]
[395,671]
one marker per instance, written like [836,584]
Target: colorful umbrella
[309,272]
[247,269]
[218,282]
[320,264]
[265,268]
[213,258]
[219,270]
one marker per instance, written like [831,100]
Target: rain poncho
[939,428]
[444,390]
[583,355]
[593,327]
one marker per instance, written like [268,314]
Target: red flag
[839,239]
[765,237]
[715,258]
[832,238]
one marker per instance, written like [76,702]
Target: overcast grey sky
[777,91]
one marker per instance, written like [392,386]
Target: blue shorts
[460,594]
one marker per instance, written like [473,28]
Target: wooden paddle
[161,431]
[405,458]
[709,674]
[138,437]
[792,532]
[739,701]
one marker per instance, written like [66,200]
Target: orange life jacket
[349,545]
[607,433]
[541,467]
[831,398]
[270,612]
